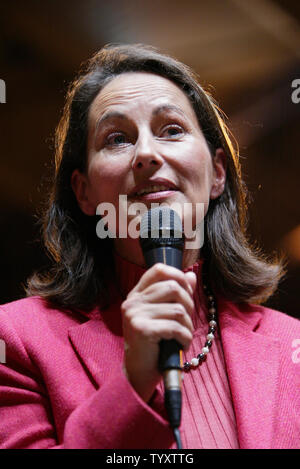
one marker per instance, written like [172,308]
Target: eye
[173,130]
[116,139]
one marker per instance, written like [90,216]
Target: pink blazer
[62,385]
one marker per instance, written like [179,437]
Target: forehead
[139,91]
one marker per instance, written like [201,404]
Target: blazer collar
[252,361]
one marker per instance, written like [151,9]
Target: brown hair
[80,260]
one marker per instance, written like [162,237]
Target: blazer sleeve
[113,417]
[131,422]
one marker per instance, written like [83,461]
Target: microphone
[162,240]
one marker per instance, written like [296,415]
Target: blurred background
[246,52]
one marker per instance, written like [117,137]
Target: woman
[82,349]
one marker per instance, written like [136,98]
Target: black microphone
[162,240]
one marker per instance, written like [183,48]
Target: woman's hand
[159,307]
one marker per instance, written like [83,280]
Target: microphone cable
[170,367]
[177,437]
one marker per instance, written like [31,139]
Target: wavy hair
[80,261]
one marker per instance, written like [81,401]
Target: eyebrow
[119,115]
[167,107]
[107,116]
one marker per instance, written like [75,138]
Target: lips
[153,186]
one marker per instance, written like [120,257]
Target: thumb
[192,280]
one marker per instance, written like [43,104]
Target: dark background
[246,52]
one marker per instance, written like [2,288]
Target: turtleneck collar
[128,274]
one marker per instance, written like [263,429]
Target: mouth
[154,189]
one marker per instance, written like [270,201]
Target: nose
[146,154]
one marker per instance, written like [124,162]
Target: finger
[170,311]
[191,278]
[168,291]
[155,330]
[160,272]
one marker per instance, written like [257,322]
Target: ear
[219,161]
[80,184]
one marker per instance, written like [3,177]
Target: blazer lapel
[252,361]
[97,340]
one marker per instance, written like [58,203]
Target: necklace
[212,326]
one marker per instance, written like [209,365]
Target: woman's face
[144,142]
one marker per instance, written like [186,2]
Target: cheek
[197,170]
[106,181]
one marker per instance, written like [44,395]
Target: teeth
[152,189]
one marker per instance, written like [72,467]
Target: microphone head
[161,226]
